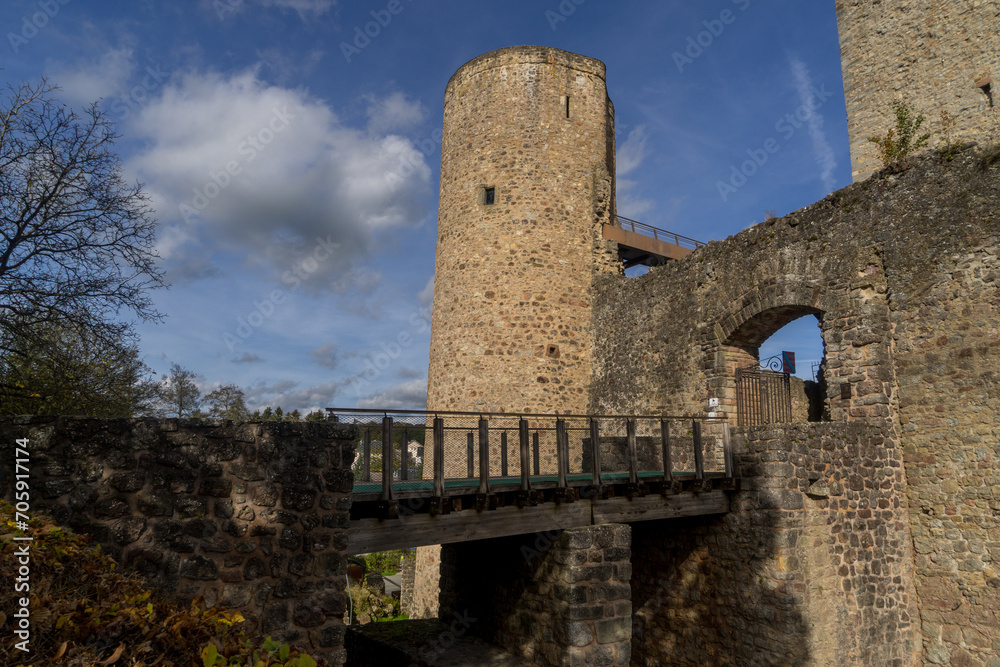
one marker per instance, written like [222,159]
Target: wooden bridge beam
[416,530]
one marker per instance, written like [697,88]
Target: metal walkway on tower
[640,243]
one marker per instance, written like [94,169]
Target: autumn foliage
[86,612]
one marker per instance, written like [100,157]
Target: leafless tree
[76,241]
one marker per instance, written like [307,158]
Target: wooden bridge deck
[564,471]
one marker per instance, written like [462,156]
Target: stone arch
[739,333]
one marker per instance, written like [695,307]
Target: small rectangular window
[566,104]
[489,196]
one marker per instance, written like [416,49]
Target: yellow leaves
[228,619]
[209,655]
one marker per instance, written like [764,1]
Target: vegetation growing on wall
[902,140]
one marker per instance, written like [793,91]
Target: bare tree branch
[76,241]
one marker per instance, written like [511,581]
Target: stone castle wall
[559,598]
[930,54]
[251,516]
[903,273]
[811,566]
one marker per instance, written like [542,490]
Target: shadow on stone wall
[811,566]
[251,516]
[705,591]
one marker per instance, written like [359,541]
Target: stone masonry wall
[253,516]
[902,271]
[810,567]
[948,368]
[512,291]
[407,572]
[427,582]
[928,53]
[559,598]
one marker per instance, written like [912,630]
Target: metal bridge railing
[409,453]
[659,234]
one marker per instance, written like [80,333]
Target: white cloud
[235,166]
[822,150]
[86,81]
[629,156]
[305,8]
[426,295]
[395,113]
[410,395]
[632,152]
[288,396]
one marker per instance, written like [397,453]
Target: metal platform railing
[658,234]
[415,453]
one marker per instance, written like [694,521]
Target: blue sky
[293,160]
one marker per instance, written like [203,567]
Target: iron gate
[762,397]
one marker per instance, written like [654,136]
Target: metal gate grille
[762,397]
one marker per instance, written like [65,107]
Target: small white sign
[713,402]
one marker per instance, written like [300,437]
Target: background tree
[227,402]
[76,373]
[178,392]
[76,241]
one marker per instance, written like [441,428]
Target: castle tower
[527,181]
[936,55]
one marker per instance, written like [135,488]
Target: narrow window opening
[566,104]
[489,196]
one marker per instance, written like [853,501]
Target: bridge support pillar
[557,598]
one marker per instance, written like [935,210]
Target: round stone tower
[527,181]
